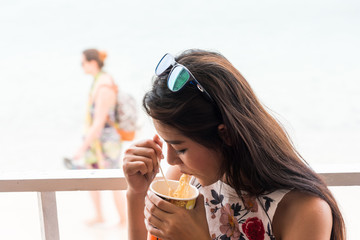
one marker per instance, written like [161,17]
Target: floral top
[239,218]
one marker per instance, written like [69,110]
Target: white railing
[47,183]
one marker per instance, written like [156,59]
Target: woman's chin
[206,182]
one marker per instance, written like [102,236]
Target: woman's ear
[223,133]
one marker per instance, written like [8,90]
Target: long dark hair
[258,156]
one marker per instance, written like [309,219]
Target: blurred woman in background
[101,146]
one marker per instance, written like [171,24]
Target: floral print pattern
[229,224]
[110,144]
[245,218]
[250,202]
[253,229]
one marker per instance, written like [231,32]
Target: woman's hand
[167,221]
[140,164]
[79,154]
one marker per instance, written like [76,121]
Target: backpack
[126,115]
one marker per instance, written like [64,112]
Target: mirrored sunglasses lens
[164,64]
[178,78]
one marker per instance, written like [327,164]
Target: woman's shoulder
[301,215]
[105,79]
[105,84]
[105,88]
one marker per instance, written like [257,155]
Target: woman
[101,147]
[253,183]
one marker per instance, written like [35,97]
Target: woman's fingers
[156,220]
[152,218]
[137,165]
[151,155]
[153,230]
[149,143]
[199,205]
[167,221]
[154,150]
[160,143]
[146,151]
[154,202]
[152,210]
[146,159]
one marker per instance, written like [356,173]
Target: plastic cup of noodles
[161,189]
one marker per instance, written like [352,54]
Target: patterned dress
[232,218]
[108,145]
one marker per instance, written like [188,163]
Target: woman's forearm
[136,225]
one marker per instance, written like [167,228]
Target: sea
[300,57]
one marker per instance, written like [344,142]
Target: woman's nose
[171,156]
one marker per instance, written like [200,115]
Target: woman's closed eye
[182,151]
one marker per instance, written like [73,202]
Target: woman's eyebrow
[174,142]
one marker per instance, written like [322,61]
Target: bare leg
[120,203]
[99,218]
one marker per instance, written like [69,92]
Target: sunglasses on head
[179,75]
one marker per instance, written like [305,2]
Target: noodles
[183,189]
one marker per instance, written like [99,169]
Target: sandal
[71,164]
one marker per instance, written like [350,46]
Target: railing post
[48,216]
